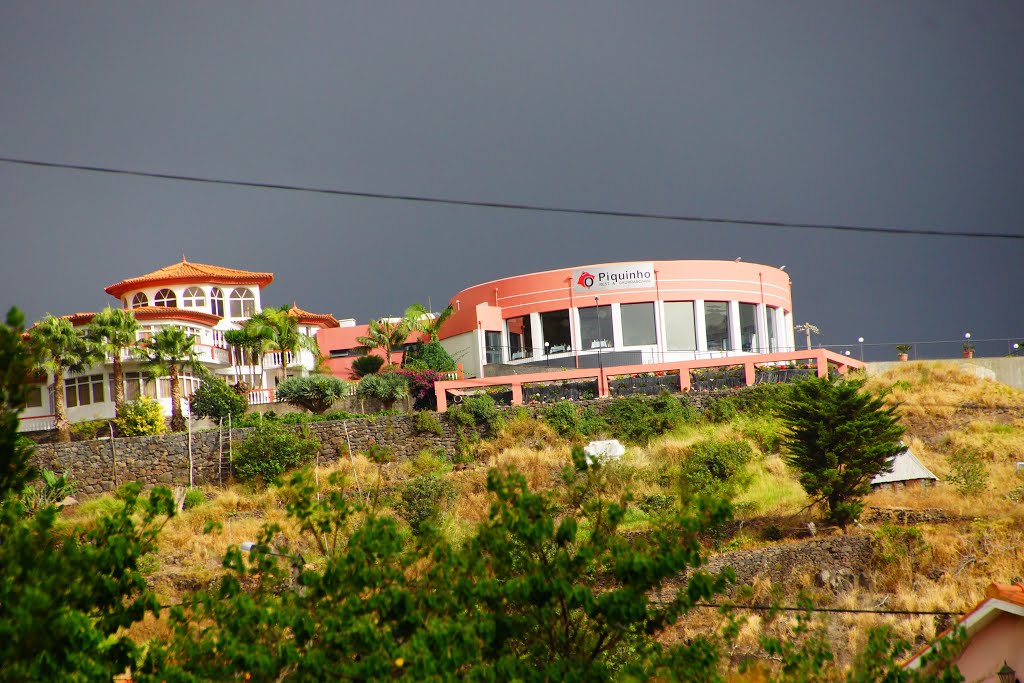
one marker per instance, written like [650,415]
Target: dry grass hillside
[940,566]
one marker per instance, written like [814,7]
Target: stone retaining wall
[822,558]
[103,464]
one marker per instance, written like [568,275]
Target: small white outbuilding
[907,470]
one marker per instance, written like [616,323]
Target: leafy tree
[270,450]
[316,393]
[61,348]
[838,436]
[366,365]
[112,331]
[142,417]
[423,499]
[715,467]
[421,320]
[166,354]
[17,361]
[386,387]
[65,599]
[386,335]
[216,400]
[429,356]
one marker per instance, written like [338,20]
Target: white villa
[205,300]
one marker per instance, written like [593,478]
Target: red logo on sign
[586,280]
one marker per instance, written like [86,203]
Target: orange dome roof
[185,272]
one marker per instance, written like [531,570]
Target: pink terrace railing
[819,357]
[258,397]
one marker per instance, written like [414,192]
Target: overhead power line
[426,199]
[832,610]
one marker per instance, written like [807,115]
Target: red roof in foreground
[322,319]
[190,272]
[1013,592]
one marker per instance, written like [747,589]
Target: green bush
[366,365]
[429,356]
[713,467]
[636,420]
[142,417]
[216,400]
[572,421]
[719,410]
[49,490]
[386,387]
[427,423]
[270,450]
[967,471]
[379,454]
[90,429]
[194,498]
[485,413]
[423,499]
[315,393]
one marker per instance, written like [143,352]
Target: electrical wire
[837,610]
[516,206]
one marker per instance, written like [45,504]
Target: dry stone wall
[102,465]
[828,560]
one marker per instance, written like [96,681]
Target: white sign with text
[619,276]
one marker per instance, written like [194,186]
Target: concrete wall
[1008,370]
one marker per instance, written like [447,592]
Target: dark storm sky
[904,114]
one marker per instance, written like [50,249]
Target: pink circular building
[621,314]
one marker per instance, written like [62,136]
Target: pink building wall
[1002,640]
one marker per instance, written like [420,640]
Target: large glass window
[680,332]
[638,325]
[137,384]
[165,298]
[555,326]
[34,397]
[596,327]
[243,303]
[186,382]
[520,337]
[140,300]
[217,301]
[748,327]
[716,325]
[193,298]
[492,347]
[83,391]
[773,342]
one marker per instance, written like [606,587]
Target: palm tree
[257,332]
[809,329]
[417,317]
[60,348]
[385,335]
[112,331]
[282,329]
[166,354]
[236,341]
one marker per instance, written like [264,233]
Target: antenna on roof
[183,257]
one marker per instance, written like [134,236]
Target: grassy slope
[944,410]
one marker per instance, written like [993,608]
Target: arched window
[140,300]
[165,298]
[243,303]
[217,301]
[193,298]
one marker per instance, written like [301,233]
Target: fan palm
[418,318]
[111,331]
[283,333]
[170,350]
[385,335]
[60,348]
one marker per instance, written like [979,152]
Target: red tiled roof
[1013,593]
[190,272]
[155,313]
[321,319]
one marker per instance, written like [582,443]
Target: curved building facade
[625,313]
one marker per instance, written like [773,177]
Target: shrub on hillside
[366,365]
[429,356]
[216,400]
[967,471]
[386,387]
[270,450]
[573,421]
[637,420]
[427,423]
[713,467]
[315,393]
[421,387]
[423,499]
[142,417]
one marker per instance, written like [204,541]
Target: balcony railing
[39,423]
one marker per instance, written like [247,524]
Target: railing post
[749,374]
[517,394]
[442,398]
[821,362]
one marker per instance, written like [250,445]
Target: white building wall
[465,348]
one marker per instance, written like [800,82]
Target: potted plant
[903,351]
[968,348]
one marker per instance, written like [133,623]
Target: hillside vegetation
[961,427]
